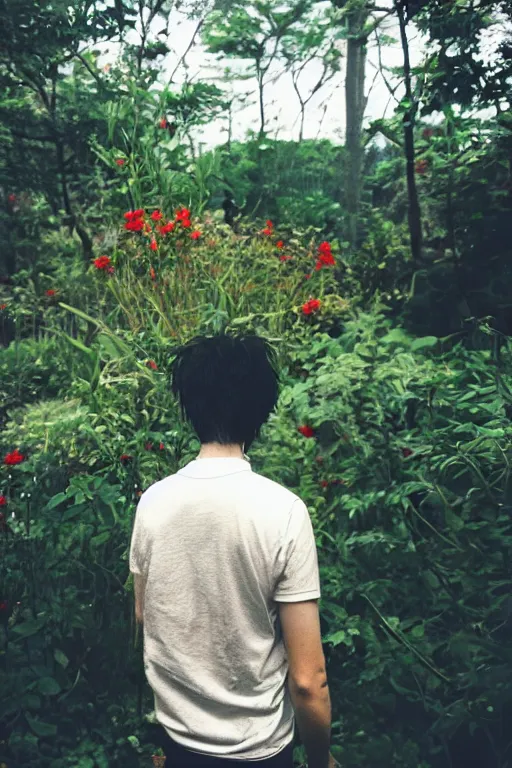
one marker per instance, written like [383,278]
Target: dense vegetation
[380,270]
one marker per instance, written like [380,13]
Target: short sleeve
[139,547]
[297,576]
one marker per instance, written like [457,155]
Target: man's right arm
[307,679]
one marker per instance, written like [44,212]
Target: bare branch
[88,68]
[189,47]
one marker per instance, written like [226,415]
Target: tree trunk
[409,120]
[355,103]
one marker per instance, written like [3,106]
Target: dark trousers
[179,757]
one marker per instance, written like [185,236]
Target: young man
[227,580]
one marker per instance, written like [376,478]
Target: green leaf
[48,686]
[424,341]
[396,336]
[101,538]
[60,657]
[40,728]
[336,638]
[56,500]
[29,628]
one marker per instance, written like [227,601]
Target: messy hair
[226,385]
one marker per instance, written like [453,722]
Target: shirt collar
[214,467]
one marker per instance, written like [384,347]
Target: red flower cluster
[280,244]
[3,501]
[102,262]
[325,257]
[153,245]
[152,273]
[151,364]
[327,483]
[15,457]
[134,220]
[163,122]
[51,292]
[311,306]
[3,306]
[285,258]
[125,457]
[307,431]
[269,229]
[120,162]
[157,215]
[183,217]
[165,228]
[421,167]
[162,447]
[195,235]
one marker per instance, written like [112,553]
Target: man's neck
[218,451]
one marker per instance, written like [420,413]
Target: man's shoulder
[272,489]
[156,490]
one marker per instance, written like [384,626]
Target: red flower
[146,227]
[162,447]
[133,215]
[267,231]
[280,244]
[163,123]
[157,215]
[102,262]
[406,452]
[311,306]
[324,483]
[186,223]
[120,161]
[269,224]
[325,256]
[125,457]
[307,431]
[307,277]
[51,292]
[3,306]
[148,446]
[421,167]
[182,214]
[15,457]
[285,258]
[134,226]
[152,273]
[3,501]
[151,364]
[153,245]
[3,606]
[12,198]
[195,235]
[165,228]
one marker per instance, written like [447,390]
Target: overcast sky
[325,113]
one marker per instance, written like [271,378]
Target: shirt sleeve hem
[297,597]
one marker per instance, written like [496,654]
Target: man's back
[218,544]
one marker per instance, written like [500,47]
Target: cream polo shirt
[218,544]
